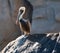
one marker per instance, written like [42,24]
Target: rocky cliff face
[45,14]
[8,29]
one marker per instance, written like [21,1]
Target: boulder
[35,43]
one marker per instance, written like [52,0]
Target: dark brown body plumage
[25,27]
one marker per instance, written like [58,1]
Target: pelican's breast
[25,26]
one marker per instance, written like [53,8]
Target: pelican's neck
[21,16]
[23,13]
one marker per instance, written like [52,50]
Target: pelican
[24,19]
[23,22]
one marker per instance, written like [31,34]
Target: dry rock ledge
[35,43]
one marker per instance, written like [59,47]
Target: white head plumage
[23,9]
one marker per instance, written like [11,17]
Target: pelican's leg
[26,33]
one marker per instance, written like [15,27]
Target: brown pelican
[25,8]
[23,22]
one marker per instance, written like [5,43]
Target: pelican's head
[21,12]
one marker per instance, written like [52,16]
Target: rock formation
[36,43]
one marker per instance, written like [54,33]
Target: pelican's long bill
[18,18]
